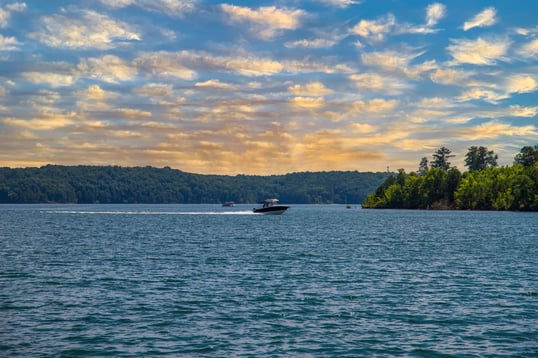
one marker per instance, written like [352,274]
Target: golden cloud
[478,52]
[521,84]
[482,19]
[493,129]
[45,122]
[529,50]
[449,76]
[376,105]
[84,29]
[375,30]
[108,68]
[50,78]
[315,88]
[266,20]
[307,102]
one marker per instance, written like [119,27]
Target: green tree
[423,166]
[527,156]
[433,188]
[479,158]
[440,159]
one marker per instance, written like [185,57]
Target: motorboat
[228,203]
[271,207]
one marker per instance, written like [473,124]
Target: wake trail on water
[246,212]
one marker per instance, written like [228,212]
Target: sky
[265,87]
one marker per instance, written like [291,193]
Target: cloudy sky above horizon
[265,87]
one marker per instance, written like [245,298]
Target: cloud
[266,21]
[307,102]
[93,98]
[315,43]
[486,17]
[214,84]
[520,111]
[108,68]
[44,122]
[315,88]
[165,64]
[375,30]
[133,113]
[5,15]
[377,105]
[526,31]
[53,79]
[479,52]
[84,29]
[8,43]
[493,129]
[449,76]
[521,84]
[184,64]
[16,7]
[155,90]
[398,62]
[529,50]
[434,13]
[170,7]
[481,94]
[340,3]
[379,83]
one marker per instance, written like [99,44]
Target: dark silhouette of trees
[479,158]
[441,157]
[423,166]
[528,156]
[114,184]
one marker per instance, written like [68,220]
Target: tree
[479,158]
[527,156]
[440,159]
[423,166]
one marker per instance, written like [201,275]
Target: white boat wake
[82,212]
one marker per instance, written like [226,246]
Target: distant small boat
[270,207]
[228,203]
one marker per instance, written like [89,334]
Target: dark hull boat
[270,207]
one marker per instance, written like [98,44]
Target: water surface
[318,281]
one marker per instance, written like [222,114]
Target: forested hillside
[483,187]
[114,184]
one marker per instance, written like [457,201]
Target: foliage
[489,188]
[441,157]
[528,156]
[114,184]
[479,158]
[423,166]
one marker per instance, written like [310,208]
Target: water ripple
[130,281]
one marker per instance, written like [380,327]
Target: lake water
[318,281]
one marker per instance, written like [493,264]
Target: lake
[318,281]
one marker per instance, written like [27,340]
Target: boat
[228,203]
[271,207]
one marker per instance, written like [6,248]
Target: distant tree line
[115,184]
[438,185]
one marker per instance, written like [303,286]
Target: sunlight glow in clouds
[483,19]
[220,87]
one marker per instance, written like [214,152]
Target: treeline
[483,187]
[115,184]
